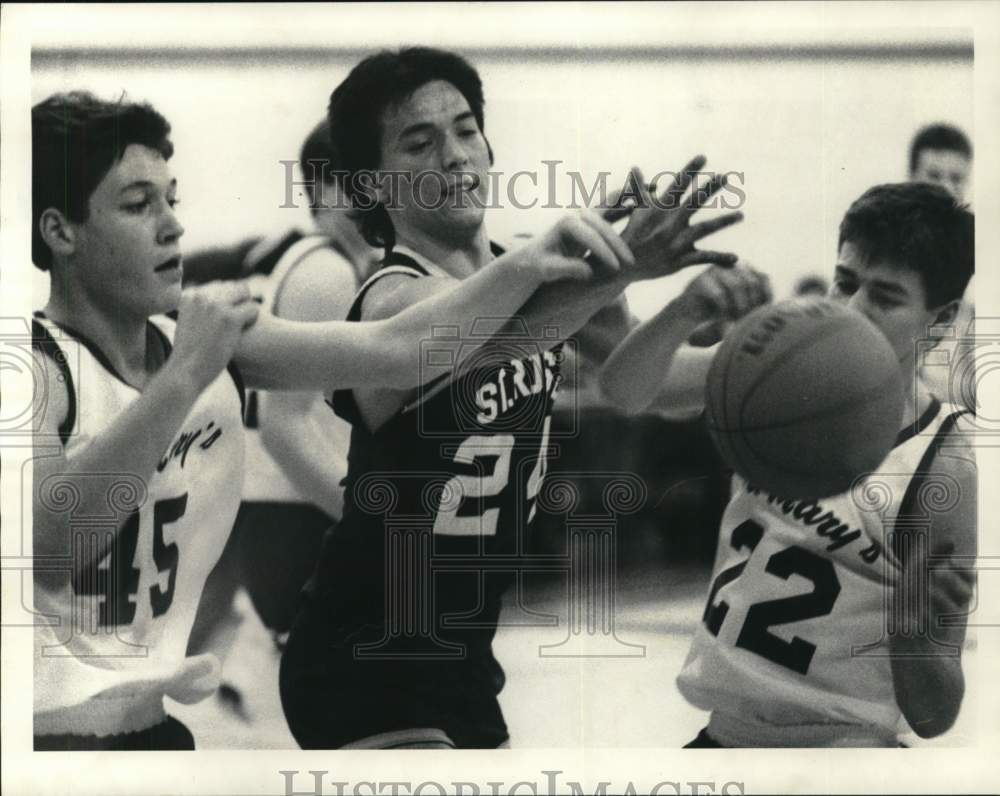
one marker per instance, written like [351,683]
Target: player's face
[434,133]
[127,252]
[891,297]
[943,167]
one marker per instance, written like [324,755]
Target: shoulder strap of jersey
[395,263]
[910,507]
[42,341]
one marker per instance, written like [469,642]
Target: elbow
[933,727]
[935,717]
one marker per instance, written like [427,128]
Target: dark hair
[355,117]
[318,150]
[918,226]
[75,140]
[939,136]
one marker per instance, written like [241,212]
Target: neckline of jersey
[99,355]
[921,423]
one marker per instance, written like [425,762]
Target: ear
[58,232]
[946,314]
[942,316]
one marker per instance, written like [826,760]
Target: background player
[296,448]
[941,154]
[150,405]
[795,646]
[355,673]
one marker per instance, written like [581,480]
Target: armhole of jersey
[907,506]
[395,263]
[42,340]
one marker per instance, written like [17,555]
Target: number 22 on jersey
[755,635]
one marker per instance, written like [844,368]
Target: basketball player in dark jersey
[393,647]
[143,425]
[804,642]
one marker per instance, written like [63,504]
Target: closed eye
[137,207]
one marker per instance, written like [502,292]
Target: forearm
[927,655]
[280,354]
[127,450]
[311,452]
[643,366]
[563,306]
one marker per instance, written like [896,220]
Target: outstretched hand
[659,231]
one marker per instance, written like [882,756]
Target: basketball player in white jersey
[825,623]
[139,454]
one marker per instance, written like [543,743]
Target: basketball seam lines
[863,397]
[820,332]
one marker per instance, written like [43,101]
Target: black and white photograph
[566,385]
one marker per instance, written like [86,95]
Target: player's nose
[170,227]
[453,154]
[859,303]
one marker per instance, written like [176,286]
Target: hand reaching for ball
[725,293]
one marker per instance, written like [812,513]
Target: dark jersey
[438,508]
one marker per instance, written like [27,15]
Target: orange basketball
[803,397]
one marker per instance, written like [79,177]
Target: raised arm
[933,594]
[654,366]
[280,354]
[213,317]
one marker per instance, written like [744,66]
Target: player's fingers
[613,214]
[558,267]
[704,228]
[246,314]
[674,193]
[698,257]
[638,187]
[700,196]
[610,237]
[237,292]
[223,292]
[579,237]
[615,207]
[762,284]
[713,293]
[744,290]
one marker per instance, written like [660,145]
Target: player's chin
[468,213]
[166,299]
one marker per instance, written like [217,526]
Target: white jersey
[266,480]
[115,639]
[792,648]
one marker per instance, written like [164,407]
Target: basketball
[803,396]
